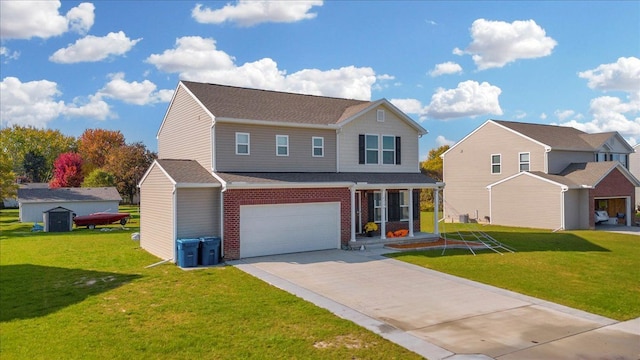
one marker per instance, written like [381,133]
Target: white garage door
[287,228]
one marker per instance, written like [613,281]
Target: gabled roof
[562,137]
[579,175]
[183,173]
[33,195]
[230,103]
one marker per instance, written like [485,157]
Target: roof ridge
[277,91]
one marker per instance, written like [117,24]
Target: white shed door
[288,228]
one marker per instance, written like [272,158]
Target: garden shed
[58,219]
[32,203]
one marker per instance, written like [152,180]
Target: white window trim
[377,221]
[380,115]
[382,150]
[248,143]
[366,149]
[402,193]
[314,147]
[498,163]
[278,145]
[520,162]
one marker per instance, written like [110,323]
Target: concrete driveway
[442,316]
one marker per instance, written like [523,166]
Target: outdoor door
[58,221]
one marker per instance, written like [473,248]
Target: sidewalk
[442,316]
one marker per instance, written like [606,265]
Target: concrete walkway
[440,316]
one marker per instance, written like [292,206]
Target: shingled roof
[30,195]
[252,104]
[558,137]
[578,175]
[187,172]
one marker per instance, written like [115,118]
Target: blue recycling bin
[188,252]
[209,250]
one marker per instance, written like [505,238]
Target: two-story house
[539,176]
[272,172]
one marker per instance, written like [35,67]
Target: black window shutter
[361,153]
[416,205]
[398,147]
[393,206]
[370,206]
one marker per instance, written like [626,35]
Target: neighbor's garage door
[287,228]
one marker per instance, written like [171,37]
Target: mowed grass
[88,295]
[595,271]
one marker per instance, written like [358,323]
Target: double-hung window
[371,149]
[524,161]
[388,149]
[282,145]
[496,164]
[242,143]
[377,206]
[317,146]
[404,205]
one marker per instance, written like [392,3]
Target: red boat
[101,218]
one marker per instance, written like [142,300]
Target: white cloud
[441,141]
[469,99]
[543,116]
[251,12]
[497,43]
[34,103]
[519,115]
[8,54]
[446,68]
[623,75]
[94,48]
[27,19]
[138,93]
[197,59]
[563,115]
[409,106]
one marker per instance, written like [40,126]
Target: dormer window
[380,115]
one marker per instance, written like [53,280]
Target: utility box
[464,218]
[209,250]
[188,252]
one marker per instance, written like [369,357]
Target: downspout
[490,207]
[174,205]
[224,189]
[547,150]
[337,150]
[562,215]
[213,145]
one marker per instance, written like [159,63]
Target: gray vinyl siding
[262,150]
[559,160]
[186,132]
[576,209]
[526,201]
[198,212]
[467,168]
[156,215]
[368,124]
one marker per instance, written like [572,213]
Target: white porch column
[353,213]
[383,215]
[436,208]
[411,212]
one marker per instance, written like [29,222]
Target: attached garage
[287,228]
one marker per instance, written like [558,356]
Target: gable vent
[380,115]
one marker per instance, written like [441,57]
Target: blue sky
[449,65]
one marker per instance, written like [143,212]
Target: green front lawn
[88,295]
[595,271]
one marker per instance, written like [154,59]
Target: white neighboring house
[634,168]
[32,202]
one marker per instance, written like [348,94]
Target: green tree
[431,167]
[17,141]
[8,186]
[99,178]
[128,164]
[35,167]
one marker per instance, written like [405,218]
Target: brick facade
[613,185]
[233,199]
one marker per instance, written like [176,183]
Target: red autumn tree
[67,171]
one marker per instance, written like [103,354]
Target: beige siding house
[271,172]
[539,176]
